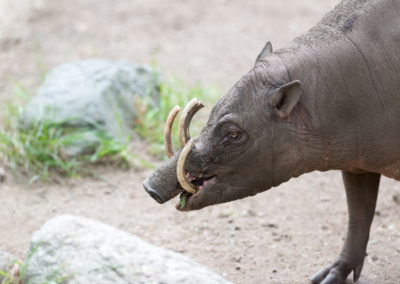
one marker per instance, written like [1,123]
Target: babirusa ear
[284,99]
[265,51]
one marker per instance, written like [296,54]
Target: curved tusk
[167,131]
[187,114]
[180,169]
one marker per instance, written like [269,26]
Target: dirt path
[282,236]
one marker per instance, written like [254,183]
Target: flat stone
[87,251]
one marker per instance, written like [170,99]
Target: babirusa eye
[234,135]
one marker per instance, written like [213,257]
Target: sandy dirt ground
[280,236]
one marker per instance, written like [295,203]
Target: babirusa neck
[322,142]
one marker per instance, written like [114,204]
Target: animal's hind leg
[361,192]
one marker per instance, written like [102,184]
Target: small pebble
[237,259]
[270,225]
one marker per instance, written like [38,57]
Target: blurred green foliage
[150,120]
[37,152]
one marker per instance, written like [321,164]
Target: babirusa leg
[361,192]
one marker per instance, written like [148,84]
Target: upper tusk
[180,169]
[187,114]
[167,131]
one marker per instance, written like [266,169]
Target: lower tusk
[167,131]
[180,169]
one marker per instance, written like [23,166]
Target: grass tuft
[39,152]
[55,277]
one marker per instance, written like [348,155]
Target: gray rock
[83,143]
[87,251]
[95,94]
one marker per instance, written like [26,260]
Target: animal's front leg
[361,192]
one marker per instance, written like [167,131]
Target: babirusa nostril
[153,193]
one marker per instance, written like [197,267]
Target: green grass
[54,277]
[150,121]
[38,152]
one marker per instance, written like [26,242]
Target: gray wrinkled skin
[344,116]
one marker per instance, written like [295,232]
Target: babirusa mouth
[199,183]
